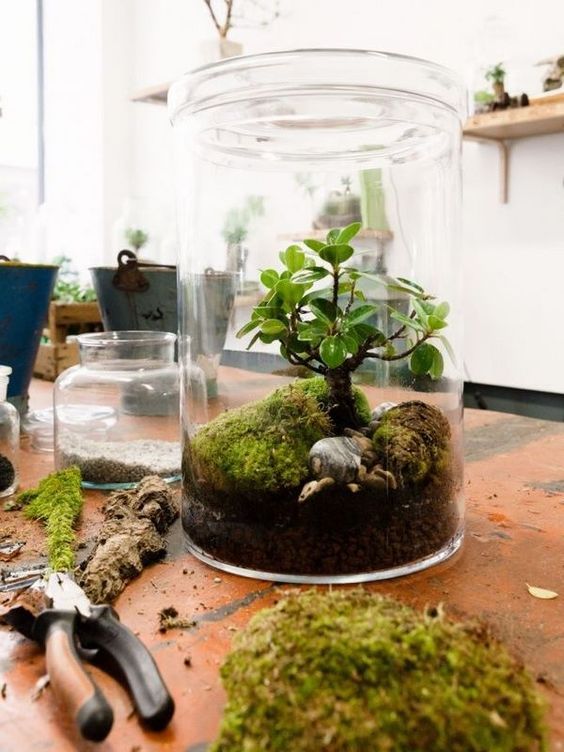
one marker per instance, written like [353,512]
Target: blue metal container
[25,292]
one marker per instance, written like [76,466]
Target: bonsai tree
[136,238]
[327,329]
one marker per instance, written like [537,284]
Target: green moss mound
[412,441]
[262,446]
[349,671]
[317,387]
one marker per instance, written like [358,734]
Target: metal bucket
[25,292]
[136,295]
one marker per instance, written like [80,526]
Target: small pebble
[217,579]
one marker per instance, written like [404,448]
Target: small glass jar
[9,438]
[329,449]
[117,412]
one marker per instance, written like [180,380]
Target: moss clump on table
[350,671]
[263,445]
[57,501]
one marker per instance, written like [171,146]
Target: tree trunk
[342,409]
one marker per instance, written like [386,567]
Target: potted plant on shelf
[496,74]
[330,484]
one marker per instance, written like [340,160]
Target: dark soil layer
[335,532]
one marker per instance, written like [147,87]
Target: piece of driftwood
[131,536]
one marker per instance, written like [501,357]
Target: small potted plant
[228,14]
[309,479]
[496,74]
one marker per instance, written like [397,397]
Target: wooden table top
[514,535]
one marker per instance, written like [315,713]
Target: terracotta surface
[515,535]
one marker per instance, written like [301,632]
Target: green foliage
[322,321]
[67,288]
[496,74]
[346,671]
[483,97]
[136,238]
[238,220]
[57,501]
[262,444]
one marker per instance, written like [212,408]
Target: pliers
[72,629]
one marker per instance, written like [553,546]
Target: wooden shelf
[542,118]
[522,122]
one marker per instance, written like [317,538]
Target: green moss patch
[262,446]
[317,387]
[57,501]
[350,671]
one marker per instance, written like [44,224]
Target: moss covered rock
[412,441]
[350,671]
[317,387]
[262,446]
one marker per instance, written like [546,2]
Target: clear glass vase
[117,412]
[322,421]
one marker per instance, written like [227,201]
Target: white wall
[514,253]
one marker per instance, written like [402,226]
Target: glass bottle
[9,438]
[329,448]
[117,412]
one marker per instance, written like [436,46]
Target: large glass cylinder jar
[117,412]
[322,428]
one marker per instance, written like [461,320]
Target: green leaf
[442,310]
[269,277]
[272,326]
[448,348]
[422,359]
[253,340]
[313,274]
[249,326]
[356,315]
[293,258]
[420,311]
[410,283]
[290,292]
[311,331]
[332,235]
[336,254]
[267,312]
[406,321]
[436,323]
[350,343]
[297,345]
[363,332]
[407,291]
[436,370]
[315,245]
[268,338]
[360,295]
[348,232]
[325,310]
[333,351]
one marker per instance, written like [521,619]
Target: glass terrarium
[117,412]
[322,421]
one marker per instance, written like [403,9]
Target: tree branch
[295,360]
[399,356]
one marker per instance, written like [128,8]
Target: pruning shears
[72,629]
